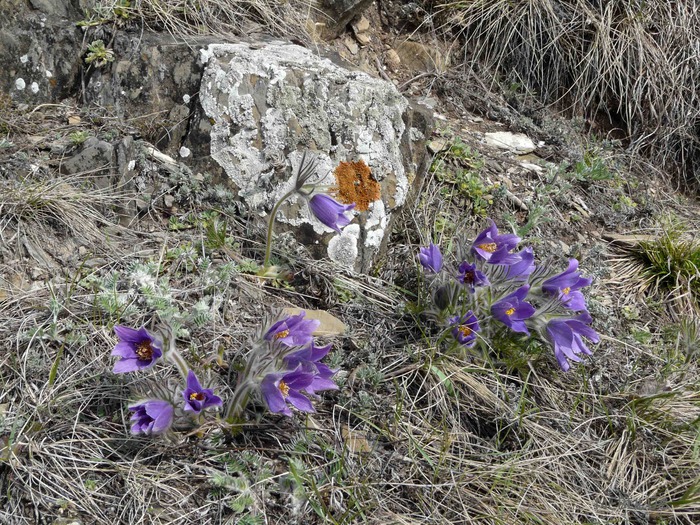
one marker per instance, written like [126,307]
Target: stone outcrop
[40,50]
[152,84]
[266,103]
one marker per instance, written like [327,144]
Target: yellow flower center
[282,334]
[284,388]
[465,330]
[488,247]
[144,351]
[510,311]
[566,290]
[196,396]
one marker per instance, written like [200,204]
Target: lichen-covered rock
[152,83]
[267,103]
[39,50]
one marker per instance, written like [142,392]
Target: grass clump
[671,267]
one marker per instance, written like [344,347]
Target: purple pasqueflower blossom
[293,330]
[489,241]
[308,360]
[137,349]
[283,389]
[153,416]
[515,266]
[471,277]
[464,328]
[329,211]
[566,285]
[566,336]
[431,258]
[198,398]
[512,310]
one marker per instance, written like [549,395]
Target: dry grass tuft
[183,18]
[633,64]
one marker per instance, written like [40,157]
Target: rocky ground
[113,211]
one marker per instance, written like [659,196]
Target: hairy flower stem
[270,227]
[176,358]
[237,405]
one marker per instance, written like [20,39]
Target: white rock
[517,142]
[276,97]
[20,84]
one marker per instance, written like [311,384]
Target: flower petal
[125,350]
[126,365]
[300,401]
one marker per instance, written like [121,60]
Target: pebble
[392,60]
[361,25]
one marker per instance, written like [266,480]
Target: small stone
[361,26]
[363,39]
[392,60]
[169,201]
[356,442]
[330,325]
[476,120]
[37,273]
[351,45]
[73,120]
[565,248]
[437,145]
[82,251]
[142,204]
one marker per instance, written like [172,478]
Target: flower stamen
[488,247]
[464,330]
[197,396]
[566,290]
[284,388]
[510,311]
[144,351]
[282,334]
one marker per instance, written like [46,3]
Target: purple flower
[512,310]
[464,328]
[566,336]
[489,241]
[329,211]
[153,416]
[516,266]
[308,360]
[431,258]
[293,330]
[471,277]
[198,398]
[280,389]
[566,285]
[138,349]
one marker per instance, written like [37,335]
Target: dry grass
[634,64]
[225,18]
[413,436]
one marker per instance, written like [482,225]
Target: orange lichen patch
[356,184]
